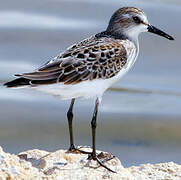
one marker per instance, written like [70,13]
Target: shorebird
[87,69]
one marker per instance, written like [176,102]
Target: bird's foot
[73,149]
[105,156]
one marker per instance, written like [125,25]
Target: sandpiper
[87,69]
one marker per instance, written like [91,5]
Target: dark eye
[136,19]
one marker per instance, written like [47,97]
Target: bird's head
[131,21]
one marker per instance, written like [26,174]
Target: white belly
[87,89]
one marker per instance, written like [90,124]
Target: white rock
[61,165]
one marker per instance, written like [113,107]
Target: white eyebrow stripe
[126,15]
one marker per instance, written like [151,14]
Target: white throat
[133,32]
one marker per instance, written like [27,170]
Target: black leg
[93,126]
[72,147]
[70,118]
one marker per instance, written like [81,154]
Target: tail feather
[18,82]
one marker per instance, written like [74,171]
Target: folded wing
[87,61]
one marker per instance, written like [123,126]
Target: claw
[106,157]
[101,164]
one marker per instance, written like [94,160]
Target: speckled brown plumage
[93,58]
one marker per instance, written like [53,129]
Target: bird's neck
[111,34]
[122,36]
[134,39]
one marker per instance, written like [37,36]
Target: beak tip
[171,38]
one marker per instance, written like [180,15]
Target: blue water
[140,117]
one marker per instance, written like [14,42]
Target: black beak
[154,30]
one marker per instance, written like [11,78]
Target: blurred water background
[140,117]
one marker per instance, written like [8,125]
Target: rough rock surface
[60,165]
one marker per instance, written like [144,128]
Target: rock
[61,165]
